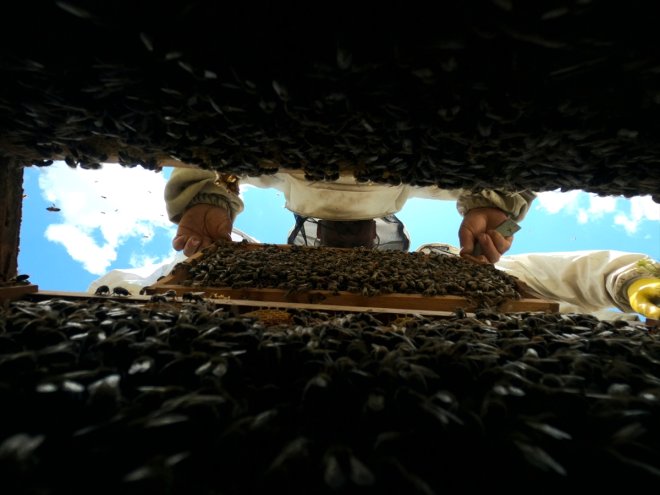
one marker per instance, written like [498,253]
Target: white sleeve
[134,279]
[516,204]
[190,186]
[591,280]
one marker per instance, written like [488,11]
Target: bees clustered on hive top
[358,270]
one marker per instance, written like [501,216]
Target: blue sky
[114,218]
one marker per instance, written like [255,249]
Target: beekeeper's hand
[200,226]
[478,228]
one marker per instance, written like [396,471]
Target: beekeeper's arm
[591,280]
[482,213]
[204,204]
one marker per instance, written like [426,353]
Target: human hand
[479,226]
[200,226]
[644,296]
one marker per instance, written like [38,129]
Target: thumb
[466,239]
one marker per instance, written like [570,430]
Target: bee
[170,293]
[120,291]
[20,279]
[158,298]
[193,297]
[103,290]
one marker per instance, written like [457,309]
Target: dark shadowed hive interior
[157,398]
[502,93]
[103,395]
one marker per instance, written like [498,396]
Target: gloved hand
[479,226]
[644,296]
[200,226]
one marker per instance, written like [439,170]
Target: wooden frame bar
[13,292]
[11,208]
[408,302]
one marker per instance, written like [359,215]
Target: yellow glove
[644,296]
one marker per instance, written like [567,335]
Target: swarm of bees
[364,271]
[403,110]
[321,396]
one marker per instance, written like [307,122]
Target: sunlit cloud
[556,201]
[100,210]
[82,247]
[587,207]
[601,205]
[641,208]
[243,188]
[144,264]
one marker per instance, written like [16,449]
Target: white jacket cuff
[188,187]
[515,204]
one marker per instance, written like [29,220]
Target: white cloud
[113,204]
[82,247]
[144,265]
[598,207]
[586,207]
[243,189]
[641,208]
[582,216]
[556,201]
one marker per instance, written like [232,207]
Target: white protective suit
[591,282]
[344,199]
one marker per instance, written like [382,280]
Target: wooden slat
[11,207]
[13,292]
[651,323]
[242,305]
[51,294]
[410,302]
[252,304]
[245,305]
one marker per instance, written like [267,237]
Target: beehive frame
[349,301]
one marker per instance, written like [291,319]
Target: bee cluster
[483,95]
[148,397]
[359,270]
